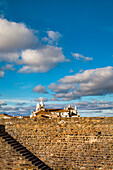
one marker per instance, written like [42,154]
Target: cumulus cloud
[89,83]
[89,108]
[4,68]
[7,67]
[54,99]
[78,56]
[17,111]
[86,108]
[41,60]
[9,56]
[55,106]
[54,36]
[94,105]
[15,36]
[39,89]
[1,74]
[60,88]
[19,108]
[17,44]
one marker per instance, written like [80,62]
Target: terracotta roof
[26,116]
[61,110]
[41,112]
[53,110]
[3,114]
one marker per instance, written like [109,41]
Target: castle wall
[71,143]
[10,159]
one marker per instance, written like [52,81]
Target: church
[42,111]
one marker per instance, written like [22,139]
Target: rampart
[68,143]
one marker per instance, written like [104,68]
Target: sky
[60,50]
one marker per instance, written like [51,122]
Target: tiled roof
[53,110]
[3,115]
[61,110]
[26,116]
[41,112]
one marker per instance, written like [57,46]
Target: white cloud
[7,67]
[1,74]
[54,36]
[27,69]
[61,88]
[39,89]
[15,36]
[9,56]
[78,56]
[41,60]
[94,105]
[87,108]
[16,47]
[89,83]
[41,98]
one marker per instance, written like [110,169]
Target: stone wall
[70,143]
[10,159]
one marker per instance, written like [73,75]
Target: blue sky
[61,50]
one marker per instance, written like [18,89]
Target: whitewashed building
[66,112]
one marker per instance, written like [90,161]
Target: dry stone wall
[10,159]
[69,143]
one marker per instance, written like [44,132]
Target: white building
[66,112]
[40,106]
